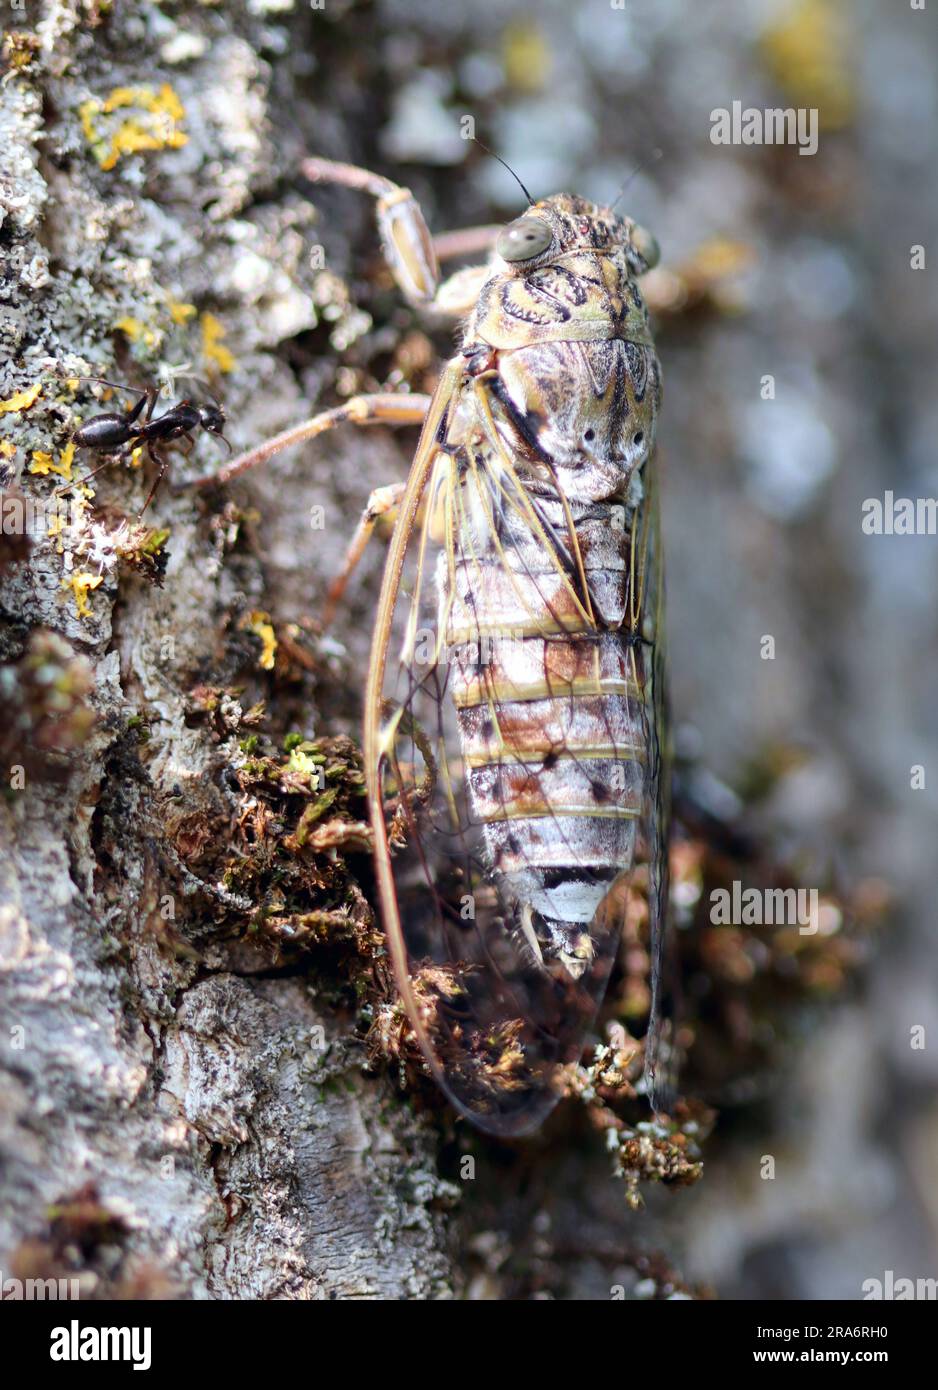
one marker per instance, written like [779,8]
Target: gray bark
[154,1089]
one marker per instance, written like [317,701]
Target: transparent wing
[648,619]
[507,749]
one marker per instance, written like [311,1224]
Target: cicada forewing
[513,763]
[647,623]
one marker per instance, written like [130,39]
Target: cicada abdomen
[513,731]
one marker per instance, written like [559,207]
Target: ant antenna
[642,164]
[504,166]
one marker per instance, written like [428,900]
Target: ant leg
[152,396]
[142,391]
[146,395]
[162,463]
[383,502]
[399,409]
[117,385]
[85,477]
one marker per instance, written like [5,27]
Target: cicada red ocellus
[514,712]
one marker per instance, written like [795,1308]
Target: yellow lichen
[22,400]
[7,449]
[66,456]
[155,128]
[43,463]
[86,114]
[180,313]
[120,96]
[133,328]
[81,583]
[212,348]
[19,49]
[136,331]
[259,623]
[131,137]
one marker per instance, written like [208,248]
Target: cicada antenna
[642,164]
[505,165]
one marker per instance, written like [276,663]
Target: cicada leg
[408,246]
[458,294]
[467,241]
[399,409]
[413,257]
[360,410]
[412,254]
[382,504]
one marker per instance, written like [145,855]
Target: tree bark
[168,1126]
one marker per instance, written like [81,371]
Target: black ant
[120,432]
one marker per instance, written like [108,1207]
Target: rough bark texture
[188,961]
[152,1081]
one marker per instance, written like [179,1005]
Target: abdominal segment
[550,719]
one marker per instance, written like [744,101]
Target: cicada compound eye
[524,239]
[645,246]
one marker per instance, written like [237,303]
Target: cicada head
[563,225]
[567,270]
[564,312]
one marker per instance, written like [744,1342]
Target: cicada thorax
[525,796]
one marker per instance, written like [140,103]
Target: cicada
[514,730]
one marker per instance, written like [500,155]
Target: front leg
[360,410]
[408,246]
[412,254]
[399,409]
